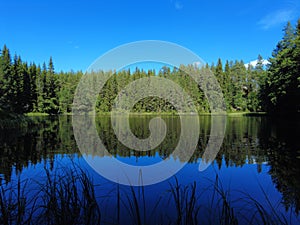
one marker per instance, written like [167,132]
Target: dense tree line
[33,88]
[30,88]
[240,87]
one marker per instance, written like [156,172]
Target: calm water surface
[259,159]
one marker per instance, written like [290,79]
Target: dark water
[258,163]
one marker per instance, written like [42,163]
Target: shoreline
[33,114]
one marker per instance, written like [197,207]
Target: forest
[275,88]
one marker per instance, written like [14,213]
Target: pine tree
[254,75]
[219,73]
[280,91]
[16,86]
[5,76]
[239,72]
[229,87]
[33,73]
[42,87]
[2,84]
[26,92]
[51,89]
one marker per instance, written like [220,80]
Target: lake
[254,178]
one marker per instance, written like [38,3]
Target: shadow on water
[253,180]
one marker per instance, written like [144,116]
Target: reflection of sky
[239,180]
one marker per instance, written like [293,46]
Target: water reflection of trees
[280,140]
[253,140]
[38,143]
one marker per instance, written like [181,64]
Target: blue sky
[75,32]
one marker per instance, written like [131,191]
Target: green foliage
[5,74]
[67,83]
[31,88]
[41,90]
[26,88]
[281,90]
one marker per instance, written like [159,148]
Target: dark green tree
[280,92]
[5,77]
[26,102]
[33,99]
[229,87]
[52,100]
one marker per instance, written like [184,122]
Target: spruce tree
[26,92]
[33,73]
[280,90]
[229,87]
[5,76]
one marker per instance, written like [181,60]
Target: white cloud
[254,63]
[178,5]
[198,64]
[277,18]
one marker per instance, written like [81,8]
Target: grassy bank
[160,113]
[230,114]
[36,114]
[247,114]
